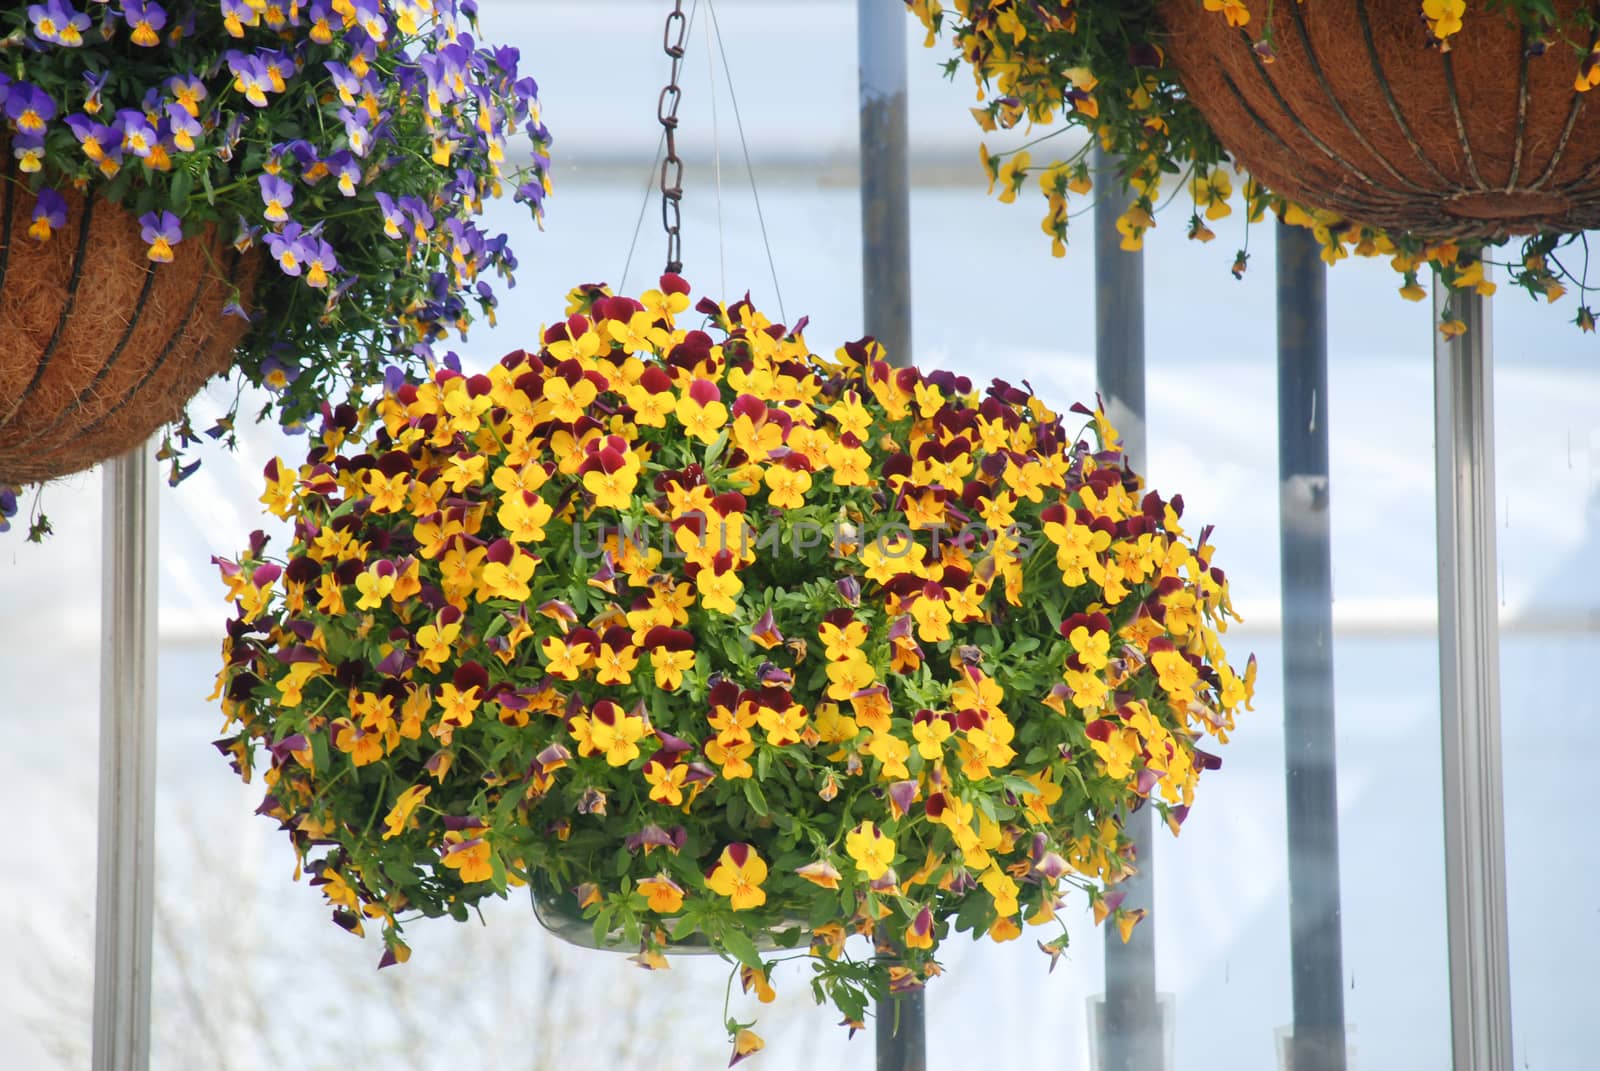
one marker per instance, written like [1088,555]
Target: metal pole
[1133,1037]
[1469,689]
[126,872]
[1315,950]
[901,1032]
[885,177]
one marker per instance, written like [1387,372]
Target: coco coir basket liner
[1359,115]
[100,347]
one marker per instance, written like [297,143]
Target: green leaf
[117,188]
[504,809]
[1055,608]
[741,948]
[714,451]
[497,876]
[789,938]
[182,186]
[1020,786]
[754,796]
[851,1001]
[975,915]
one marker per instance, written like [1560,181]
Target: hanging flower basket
[99,346]
[1428,132]
[309,181]
[712,641]
[1355,106]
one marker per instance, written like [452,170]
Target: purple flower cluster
[369,211]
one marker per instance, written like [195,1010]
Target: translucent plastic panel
[1547,445]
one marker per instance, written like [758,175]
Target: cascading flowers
[353,142]
[1100,66]
[723,638]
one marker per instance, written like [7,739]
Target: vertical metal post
[1315,949]
[1133,1037]
[1469,689]
[885,177]
[124,905]
[901,1031]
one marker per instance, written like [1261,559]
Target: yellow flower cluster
[721,632]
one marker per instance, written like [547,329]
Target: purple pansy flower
[230,137]
[29,151]
[319,261]
[236,15]
[247,235]
[394,216]
[321,20]
[49,215]
[145,18]
[250,76]
[355,128]
[97,85]
[369,16]
[347,170]
[102,144]
[185,128]
[487,302]
[275,375]
[421,218]
[347,85]
[288,249]
[187,91]
[29,107]
[337,294]
[277,195]
[162,230]
[138,136]
[58,23]
[279,67]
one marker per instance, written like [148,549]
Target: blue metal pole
[1315,951]
[885,177]
[1132,1039]
[901,1030]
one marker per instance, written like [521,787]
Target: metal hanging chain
[672,41]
